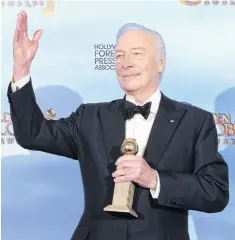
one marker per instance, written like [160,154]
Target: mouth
[130,75]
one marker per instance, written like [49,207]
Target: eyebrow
[119,50]
[138,48]
[134,48]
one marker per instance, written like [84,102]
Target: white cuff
[155,193]
[20,83]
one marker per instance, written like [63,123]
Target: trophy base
[124,209]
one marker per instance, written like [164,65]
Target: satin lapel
[165,124]
[113,128]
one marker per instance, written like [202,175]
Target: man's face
[137,65]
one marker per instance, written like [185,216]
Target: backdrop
[42,194]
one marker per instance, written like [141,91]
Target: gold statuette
[124,191]
[50,114]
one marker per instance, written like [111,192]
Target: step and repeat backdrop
[42,194]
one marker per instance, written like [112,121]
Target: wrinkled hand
[136,169]
[24,50]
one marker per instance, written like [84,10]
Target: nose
[126,62]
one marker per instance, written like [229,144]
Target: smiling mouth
[134,75]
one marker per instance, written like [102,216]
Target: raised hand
[24,49]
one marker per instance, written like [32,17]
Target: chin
[129,85]
[129,88]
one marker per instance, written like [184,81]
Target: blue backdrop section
[42,194]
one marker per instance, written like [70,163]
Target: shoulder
[192,111]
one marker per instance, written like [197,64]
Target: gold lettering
[221,130]
[227,118]
[216,118]
[222,118]
[230,131]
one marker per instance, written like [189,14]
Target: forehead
[135,39]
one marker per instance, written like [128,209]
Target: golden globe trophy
[124,191]
[50,114]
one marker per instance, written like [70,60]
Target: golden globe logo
[225,128]
[190,3]
[50,8]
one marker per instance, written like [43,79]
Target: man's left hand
[136,169]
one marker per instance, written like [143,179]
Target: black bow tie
[131,109]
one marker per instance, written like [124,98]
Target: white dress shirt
[137,127]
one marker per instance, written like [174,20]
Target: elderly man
[177,168]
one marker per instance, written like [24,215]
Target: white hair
[134,26]
[159,40]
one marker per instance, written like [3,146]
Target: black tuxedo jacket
[182,147]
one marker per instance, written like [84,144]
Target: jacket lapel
[113,128]
[165,124]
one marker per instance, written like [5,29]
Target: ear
[161,64]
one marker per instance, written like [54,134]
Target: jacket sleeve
[34,132]
[207,188]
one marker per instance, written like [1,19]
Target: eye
[137,53]
[119,55]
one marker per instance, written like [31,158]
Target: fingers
[128,168]
[126,157]
[121,172]
[37,35]
[18,35]
[21,27]
[24,24]
[35,43]
[125,178]
[129,161]
[125,164]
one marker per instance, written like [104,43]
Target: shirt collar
[155,99]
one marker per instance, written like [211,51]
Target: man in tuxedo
[178,167]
